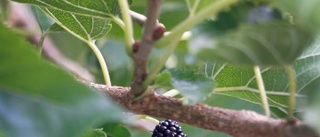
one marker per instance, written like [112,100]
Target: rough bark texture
[141,57]
[236,123]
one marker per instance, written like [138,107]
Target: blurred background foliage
[186,56]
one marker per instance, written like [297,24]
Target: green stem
[292,89]
[128,29]
[194,8]
[210,10]
[263,95]
[119,22]
[153,73]
[102,62]
[40,44]
[189,6]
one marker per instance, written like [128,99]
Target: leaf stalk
[292,90]
[127,28]
[262,91]
[102,62]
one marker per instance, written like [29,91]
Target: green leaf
[195,87]
[47,25]
[95,133]
[279,112]
[164,80]
[116,130]
[39,99]
[4,9]
[56,28]
[240,82]
[84,27]
[104,9]
[266,44]
[303,11]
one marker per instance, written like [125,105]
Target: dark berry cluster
[168,128]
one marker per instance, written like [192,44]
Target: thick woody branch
[141,56]
[236,123]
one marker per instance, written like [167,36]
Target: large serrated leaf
[240,82]
[267,44]
[38,99]
[84,27]
[105,9]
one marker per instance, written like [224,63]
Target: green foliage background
[37,98]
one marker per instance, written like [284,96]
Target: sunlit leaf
[84,27]
[56,28]
[39,99]
[240,82]
[99,9]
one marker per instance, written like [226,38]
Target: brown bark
[241,123]
[141,57]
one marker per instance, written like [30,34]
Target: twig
[137,17]
[101,60]
[236,123]
[141,56]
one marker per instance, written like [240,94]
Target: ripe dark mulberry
[168,128]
